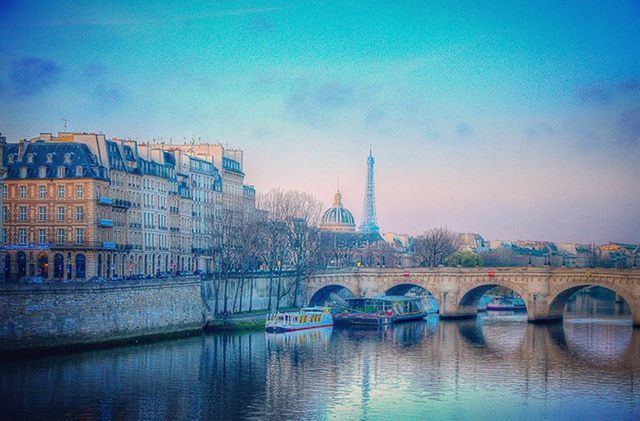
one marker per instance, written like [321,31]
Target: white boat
[306,318]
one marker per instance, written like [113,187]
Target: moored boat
[381,310]
[499,304]
[306,318]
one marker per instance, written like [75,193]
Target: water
[495,367]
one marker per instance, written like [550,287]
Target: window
[49,158]
[5,192]
[42,192]
[61,172]
[79,171]
[42,172]
[79,213]
[60,236]
[79,235]
[42,235]
[23,213]
[61,214]
[42,213]
[79,190]
[23,172]
[10,159]
[30,158]
[67,158]
[5,214]
[22,235]
[61,192]
[5,236]
[22,192]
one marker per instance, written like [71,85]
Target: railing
[108,223]
[104,200]
[119,203]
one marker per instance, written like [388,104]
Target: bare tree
[292,236]
[378,254]
[434,246]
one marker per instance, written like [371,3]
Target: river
[497,366]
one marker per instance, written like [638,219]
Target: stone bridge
[458,290]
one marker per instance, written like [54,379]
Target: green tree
[464,258]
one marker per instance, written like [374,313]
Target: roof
[51,156]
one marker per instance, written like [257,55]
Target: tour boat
[306,318]
[506,304]
[382,310]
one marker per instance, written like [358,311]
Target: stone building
[114,208]
[338,218]
[54,225]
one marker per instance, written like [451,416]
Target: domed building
[337,218]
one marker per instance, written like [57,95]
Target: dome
[338,218]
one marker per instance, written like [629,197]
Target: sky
[516,120]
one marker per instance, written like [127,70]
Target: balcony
[119,203]
[104,200]
[107,223]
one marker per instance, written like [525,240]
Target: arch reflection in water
[426,369]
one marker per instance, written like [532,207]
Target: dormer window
[10,159]
[23,172]
[79,171]
[42,171]
[67,158]
[61,172]
[30,158]
[49,158]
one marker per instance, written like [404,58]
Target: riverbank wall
[259,291]
[74,314]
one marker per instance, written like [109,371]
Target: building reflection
[330,373]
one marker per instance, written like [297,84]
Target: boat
[484,302]
[382,310]
[499,304]
[506,304]
[306,318]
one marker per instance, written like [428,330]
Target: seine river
[493,367]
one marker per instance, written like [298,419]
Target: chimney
[22,148]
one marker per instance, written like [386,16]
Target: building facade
[79,205]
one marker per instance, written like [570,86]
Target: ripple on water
[492,367]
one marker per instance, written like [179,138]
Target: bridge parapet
[457,290]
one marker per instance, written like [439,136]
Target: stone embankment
[77,314]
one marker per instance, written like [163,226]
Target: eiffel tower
[369,224]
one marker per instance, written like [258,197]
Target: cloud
[261,26]
[629,127]
[31,75]
[108,97]
[539,131]
[464,130]
[599,94]
[317,105]
[94,71]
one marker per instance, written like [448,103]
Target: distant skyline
[515,121]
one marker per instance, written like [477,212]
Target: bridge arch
[559,297]
[402,288]
[322,294]
[469,297]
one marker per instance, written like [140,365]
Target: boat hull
[283,329]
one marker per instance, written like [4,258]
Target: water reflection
[426,369]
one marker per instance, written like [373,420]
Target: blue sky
[512,119]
